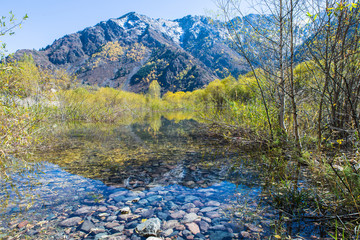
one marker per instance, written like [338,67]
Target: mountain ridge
[130,51]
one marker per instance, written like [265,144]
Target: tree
[335,49]
[154,90]
[7,27]
[267,41]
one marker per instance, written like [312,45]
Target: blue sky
[52,19]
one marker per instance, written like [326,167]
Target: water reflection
[159,166]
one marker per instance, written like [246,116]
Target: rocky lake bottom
[138,182]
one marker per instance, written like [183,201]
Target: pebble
[70,222]
[190,217]
[150,227]
[86,226]
[177,214]
[253,228]
[125,210]
[193,227]
[213,215]
[245,234]
[112,225]
[168,232]
[85,210]
[213,204]
[102,209]
[204,226]
[143,202]
[147,213]
[23,224]
[170,224]
[209,209]
[97,230]
[188,205]
[111,218]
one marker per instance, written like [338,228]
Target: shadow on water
[160,166]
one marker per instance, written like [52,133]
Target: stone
[220,235]
[204,226]
[103,215]
[209,209]
[193,210]
[86,226]
[154,238]
[172,205]
[101,236]
[85,210]
[218,227]
[236,227]
[70,222]
[150,227]
[245,234]
[113,237]
[153,198]
[119,228]
[125,217]
[23,224]
[253,228]
[111,218]
[143,202]
[188,205]
[190,217]
[198,203]
[133,200]
[168,232]
[193,227]
[189,183]
[213,215]
[102,209]
[125,210]
[132,224]
[97,230]
[147,213]
[112,225]
[170,224]
[180,227]
[118,194]
[186,233]
[163,215]
[206,219]
[191,198]
[213,204]
[177,214]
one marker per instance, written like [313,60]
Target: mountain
[131,51]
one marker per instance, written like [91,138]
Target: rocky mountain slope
[131,51]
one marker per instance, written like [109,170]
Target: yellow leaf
[277,236]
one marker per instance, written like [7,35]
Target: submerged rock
[125,210]
[70,222]
[149,228]
[193,227]
[177,214]
[190,217]
[86,226]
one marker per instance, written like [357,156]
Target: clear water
[159,168]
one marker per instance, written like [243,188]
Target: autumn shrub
[102,104]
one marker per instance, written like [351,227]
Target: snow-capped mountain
[131,51]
